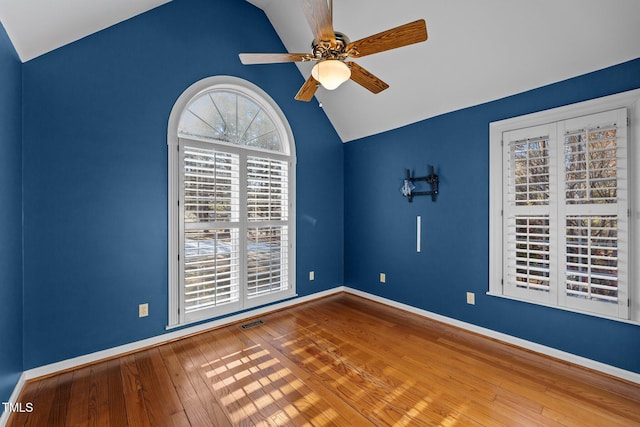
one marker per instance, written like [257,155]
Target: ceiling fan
[331,51]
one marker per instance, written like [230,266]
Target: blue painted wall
[95,168]
[380,223]
[10,218]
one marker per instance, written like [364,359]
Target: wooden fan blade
[413,32]
[366,79]
[307,90]
[272,58]
[319,18]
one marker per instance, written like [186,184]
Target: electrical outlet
[312,275]
[471,298]
[143,310]
[383,278]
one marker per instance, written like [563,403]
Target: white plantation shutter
[594,206]
[211,205]
[529,238]
[232,179]
[267,231]
[565,213]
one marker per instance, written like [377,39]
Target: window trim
[629,100]
[246,88]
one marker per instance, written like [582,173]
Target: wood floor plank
[195,411]
[42,402]
[180,419]
[29,394]
[132,389]
[210,383]
[59,406]
[208,397]
[117,406]
[99,396]
[78,415]
[157,387]
[341,361]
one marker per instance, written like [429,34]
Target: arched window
[231,201]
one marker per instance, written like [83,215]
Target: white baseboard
[4,417]
[159,339]
[538,348]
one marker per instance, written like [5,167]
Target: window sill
[587,313]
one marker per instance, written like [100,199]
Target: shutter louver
[530,171]
[211,214]
[211,268]
[211,182]
[532,249]
[267,191]
[592,257]
[591,166]
[267,257]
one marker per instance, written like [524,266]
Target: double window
[561,221]
[232,178]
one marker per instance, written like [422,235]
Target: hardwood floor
[340,361]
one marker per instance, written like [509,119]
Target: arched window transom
[228,116]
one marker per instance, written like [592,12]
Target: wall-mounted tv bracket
[409,186]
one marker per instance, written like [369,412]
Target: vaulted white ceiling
[39,26]
[477,51]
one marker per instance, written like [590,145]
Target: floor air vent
[252,324]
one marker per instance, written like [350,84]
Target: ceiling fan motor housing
[325,49]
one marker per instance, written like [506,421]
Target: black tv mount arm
[408,187]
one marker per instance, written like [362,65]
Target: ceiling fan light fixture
[331,73]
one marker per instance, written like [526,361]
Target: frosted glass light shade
[331,73]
